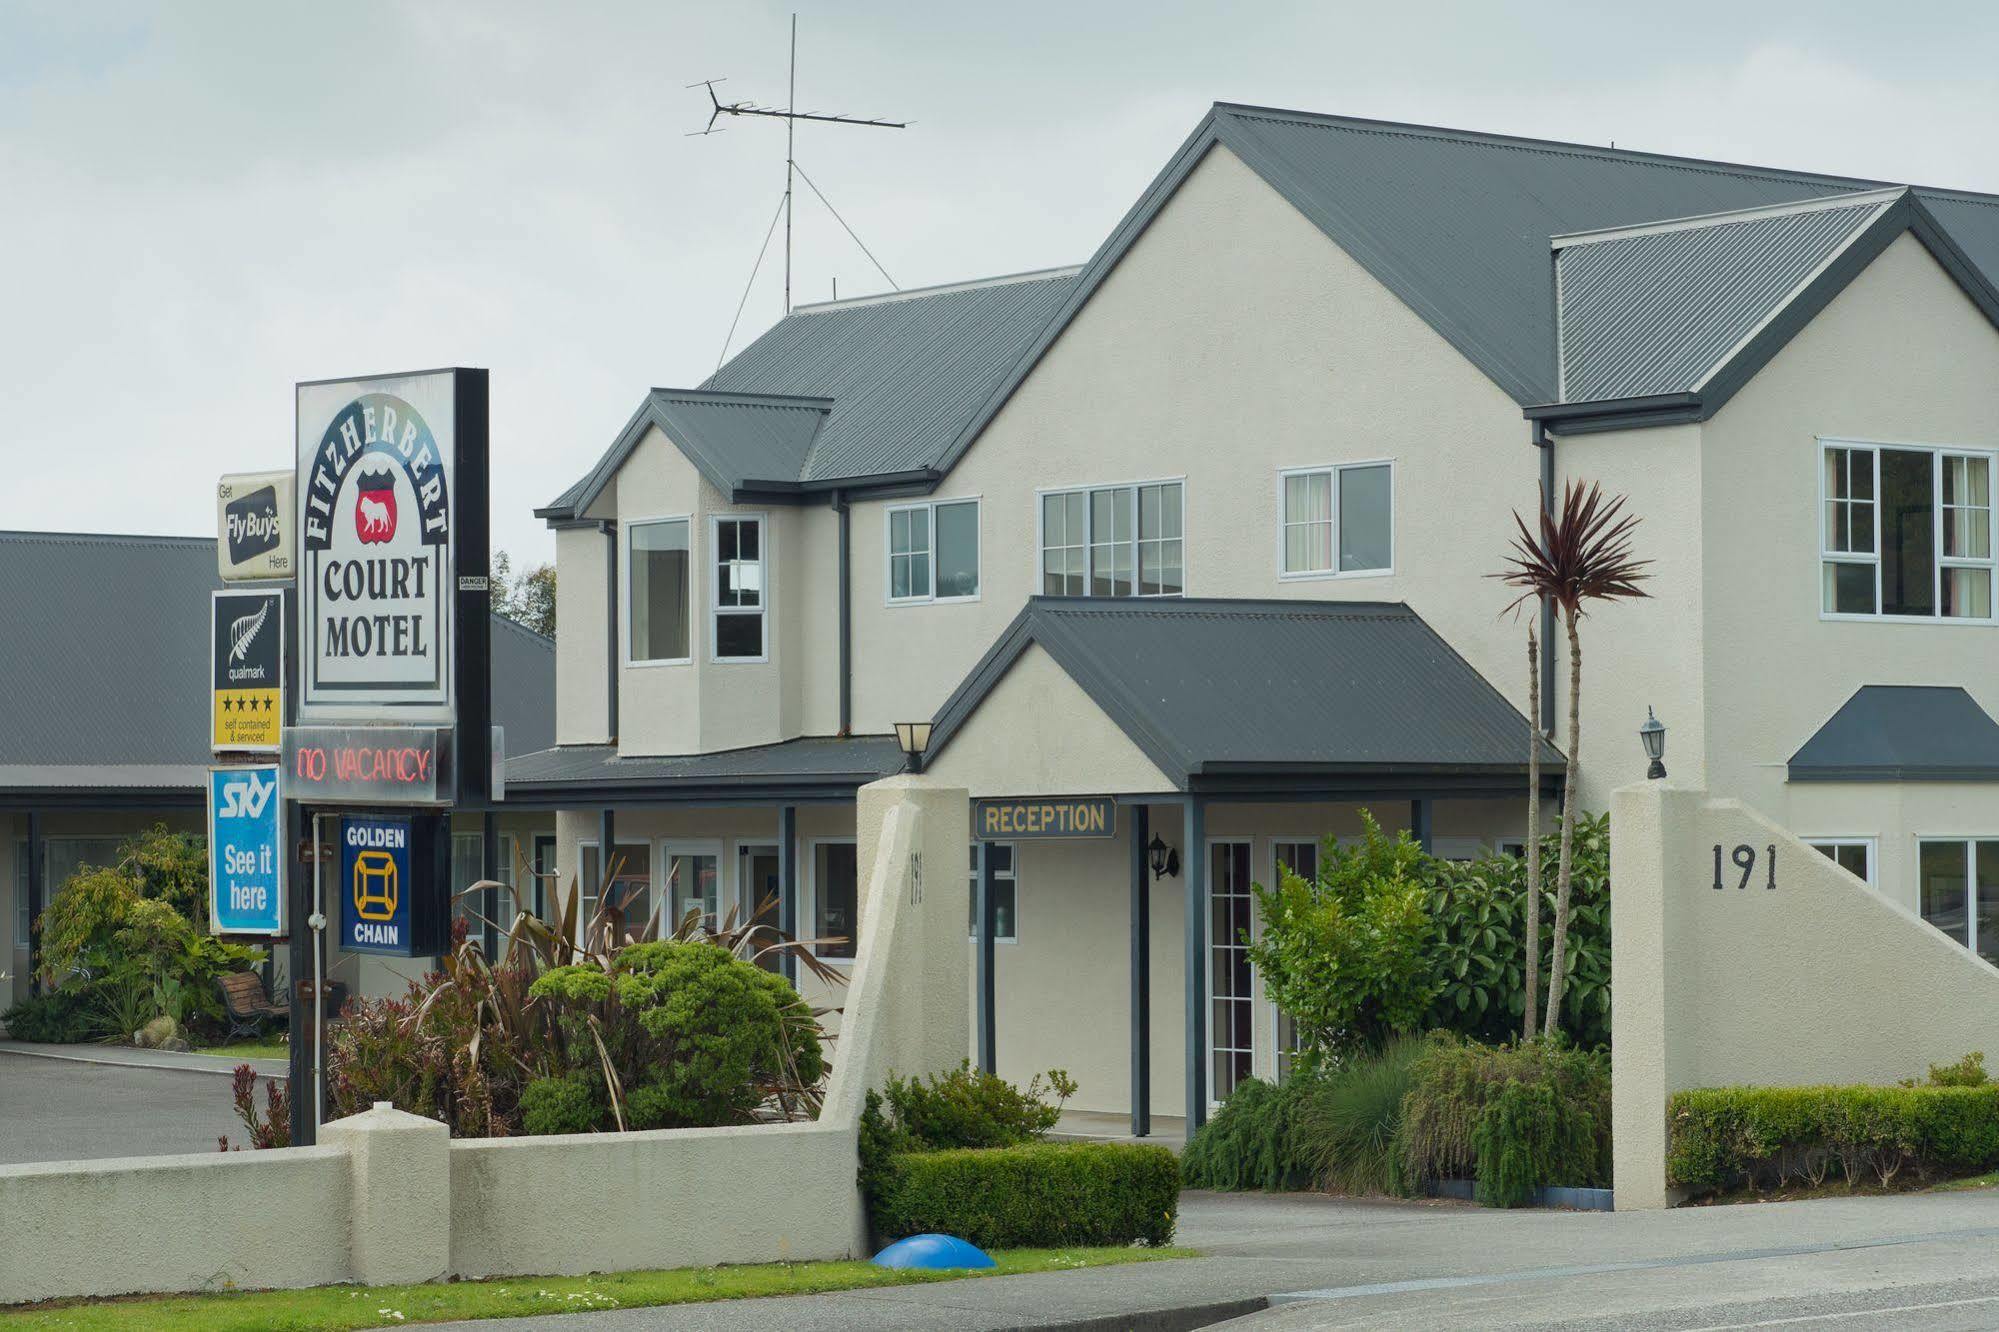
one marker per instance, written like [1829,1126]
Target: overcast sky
[203,203]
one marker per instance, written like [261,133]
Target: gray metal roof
[831,765]
[1902,733]
[1657,309]
[104,663]
[877,387]
[1217,689]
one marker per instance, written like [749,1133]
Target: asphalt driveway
[64,1110]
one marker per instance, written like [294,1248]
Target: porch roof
[810,768]
[1244,696]
[1902,733]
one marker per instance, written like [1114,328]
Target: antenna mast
[790,116]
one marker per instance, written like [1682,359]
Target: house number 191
[1744,859]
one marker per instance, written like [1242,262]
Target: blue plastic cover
[933,1253]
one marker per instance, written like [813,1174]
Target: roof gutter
[840,507]
[923,478]
[1652,409]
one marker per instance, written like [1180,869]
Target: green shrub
[1347,1128]
[59,1016]
[1347,952]
[968,1108]
[1478,911]
[1250,1142]
[1966,1072]
[1725,1138]
[560,1105]
[1039,1195]
[1460,1120]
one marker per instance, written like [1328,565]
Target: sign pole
[305,1120]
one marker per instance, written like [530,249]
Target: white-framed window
[1006,893]
[693,882]
[835,889]
[1906,532]
[658,589]
[1114,541]
[1300,855]
[1231,992]
[933,551]
[1958,890]
[630,891]
[1855,855]
[466,854]
[741,587]
[1336,521]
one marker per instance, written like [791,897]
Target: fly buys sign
[383,469]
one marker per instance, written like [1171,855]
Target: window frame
[930,506]
[1970,842]
[664,849]
[1089,543]
[808,924]
[625,591]
[716,610]
[583,892]
[1332,471]
[1867,842]
[1823,444]
[1011,876]
[23,927]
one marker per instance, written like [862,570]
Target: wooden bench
[246,1004]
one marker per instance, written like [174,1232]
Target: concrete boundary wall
[388,1197]
[1799,975]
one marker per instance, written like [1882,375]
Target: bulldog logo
[375,507]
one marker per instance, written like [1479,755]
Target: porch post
[787,886]
[1419,823]
[987,996]
[1193,866]
[37,903]
[607,847]
[489,868]
[1141,974]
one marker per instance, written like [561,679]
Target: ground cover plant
[338,1308]
[1512,1118]
[1727,1139]
[620,1031]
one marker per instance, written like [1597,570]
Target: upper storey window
[1906,532]
[1113,541]
[741,589]
[933,551]
[658,577]
[1336,520]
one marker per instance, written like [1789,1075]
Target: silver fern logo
[243,632]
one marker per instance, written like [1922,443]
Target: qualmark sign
[376,462]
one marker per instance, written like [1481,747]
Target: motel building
[1203,529]
[106,733]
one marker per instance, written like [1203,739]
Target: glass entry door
[693,885]
[758,886]
[1231,1002]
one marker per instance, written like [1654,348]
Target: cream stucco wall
[583,563]
[1901,355]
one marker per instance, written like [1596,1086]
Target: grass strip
[331,1308]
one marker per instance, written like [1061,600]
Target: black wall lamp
[1165,860]
[914,737]
[1653,736]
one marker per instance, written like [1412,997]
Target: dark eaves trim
[919,480]
[1582,418]
[1889,772]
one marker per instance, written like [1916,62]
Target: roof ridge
[1057,273]
[1553,147]
[727,398]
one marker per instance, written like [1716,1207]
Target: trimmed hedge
[1730,1137]
[1040,1195]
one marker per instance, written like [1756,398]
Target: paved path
[1927,1260]
[125,1056]
[66,1109]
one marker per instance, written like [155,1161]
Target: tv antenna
[790,115]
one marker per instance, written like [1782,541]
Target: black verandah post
[988,913]
[787,886]
[1194,862]
[1141,974]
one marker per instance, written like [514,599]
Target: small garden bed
[334,1308]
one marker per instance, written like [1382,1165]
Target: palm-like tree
[1579,555]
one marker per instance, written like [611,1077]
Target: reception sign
[1033,818]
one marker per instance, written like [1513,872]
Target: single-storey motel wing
[107,729]
[1197,536]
